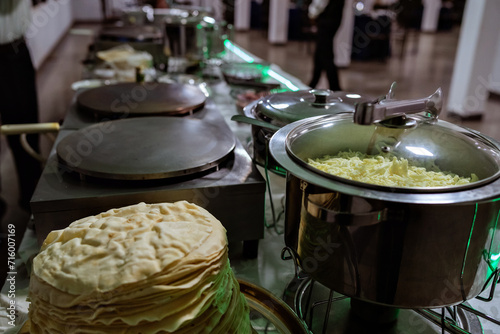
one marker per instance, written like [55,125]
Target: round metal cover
[145,148]
[141,99]
[287,107]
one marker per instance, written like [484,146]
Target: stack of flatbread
[145,268]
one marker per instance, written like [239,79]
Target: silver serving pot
[402,247]
[273,111]
[191,33]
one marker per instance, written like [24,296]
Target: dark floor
[427,64]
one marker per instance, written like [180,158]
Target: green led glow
[283,80]
[494,257]
[249,59]
[468,244]
[239,52]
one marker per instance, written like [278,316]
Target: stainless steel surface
[141,99]
[405,249]
[145,148]
[368,113]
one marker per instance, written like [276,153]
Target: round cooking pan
[397,246]
[129,99]
[145,148]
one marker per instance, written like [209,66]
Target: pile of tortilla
[145,268]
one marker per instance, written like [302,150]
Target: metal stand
[457,319]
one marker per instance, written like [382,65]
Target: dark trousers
[19,104]
[324,56]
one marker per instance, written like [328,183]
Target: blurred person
[18,94]
[327,16]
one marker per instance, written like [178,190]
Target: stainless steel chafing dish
[403,247]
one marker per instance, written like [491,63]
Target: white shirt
[317,7]
[15,18]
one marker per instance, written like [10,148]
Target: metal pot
[137,15]
[403,247]
[273,111]
[190,33]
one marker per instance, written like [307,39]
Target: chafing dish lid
[450,147]
[287,107]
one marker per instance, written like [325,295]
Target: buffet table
[268,270]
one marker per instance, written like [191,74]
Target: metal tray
[269,314]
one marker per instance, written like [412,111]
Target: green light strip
[239,52]
[283,80]
[494,257]
[467,249]
[249,59]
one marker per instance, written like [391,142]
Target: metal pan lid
[145,148]
[287,107]
[141,99]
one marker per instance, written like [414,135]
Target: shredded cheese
[386,170]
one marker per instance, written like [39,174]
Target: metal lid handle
[371,112]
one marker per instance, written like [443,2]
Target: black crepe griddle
[129,99]
[133,33]
[145,148]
